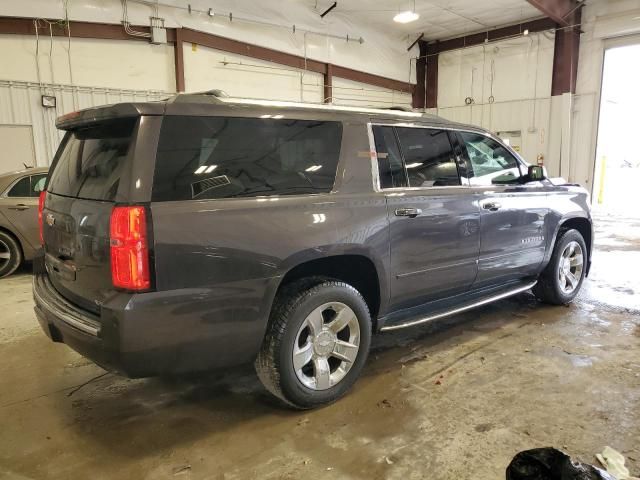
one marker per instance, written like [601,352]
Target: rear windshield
[220,157]
[91,161]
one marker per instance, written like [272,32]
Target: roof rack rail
[223,97]
[216,92]
[399,108]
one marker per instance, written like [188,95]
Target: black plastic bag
[551,464]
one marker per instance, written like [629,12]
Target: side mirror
[536,173]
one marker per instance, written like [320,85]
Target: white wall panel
[17,147]
[513,69]
[510,84]
[272,23]
[348,92]
[20,104]
[239,76]
[101,63]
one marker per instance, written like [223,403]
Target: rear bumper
[157,333]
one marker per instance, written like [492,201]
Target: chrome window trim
[374,155]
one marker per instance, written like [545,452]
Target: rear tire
[10,254]
[316,344]
[562,278]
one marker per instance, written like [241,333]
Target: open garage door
[17,147]
[617,173]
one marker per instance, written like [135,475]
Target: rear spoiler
[99,114]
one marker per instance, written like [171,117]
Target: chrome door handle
[408,212]
[20,206]
[491,206]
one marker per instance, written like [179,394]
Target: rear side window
[91,161]
[221,157]
[390,167]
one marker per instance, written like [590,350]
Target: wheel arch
[355,267]
[582,224]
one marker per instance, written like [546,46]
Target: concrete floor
[456,400]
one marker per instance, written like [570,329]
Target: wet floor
[456,400]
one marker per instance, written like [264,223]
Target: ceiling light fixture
[407,16]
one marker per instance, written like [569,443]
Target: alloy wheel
[570,268]
[5,254]
[326,346]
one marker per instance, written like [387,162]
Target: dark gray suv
[205,231]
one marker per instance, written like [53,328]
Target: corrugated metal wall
[21,104]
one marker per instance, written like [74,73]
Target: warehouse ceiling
[439,19]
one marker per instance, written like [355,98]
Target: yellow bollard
[603,169]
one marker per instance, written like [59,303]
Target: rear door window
[222,157]
[390,167]
[21,188]
[91,161]
[428,157]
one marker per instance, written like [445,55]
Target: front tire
[562,278]
[10,254]
[316,345]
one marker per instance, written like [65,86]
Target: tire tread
[266,364]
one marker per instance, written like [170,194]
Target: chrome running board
[464,308]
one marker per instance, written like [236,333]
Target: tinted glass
[491,163]
[390,167]
[21,188]
[92,160]
[428,157]
[219,157]
[37,184]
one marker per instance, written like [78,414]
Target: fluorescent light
[200,169]
[211,169]
[414,165]
[278,116]
[265,116]
[406,17]
[526,32]
[313,168]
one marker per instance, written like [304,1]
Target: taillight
[43,196]
[129,248]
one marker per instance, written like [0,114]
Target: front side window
[428,157]
[490,162]
[221,157]
[37,184]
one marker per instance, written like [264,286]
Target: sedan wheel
[10,254]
